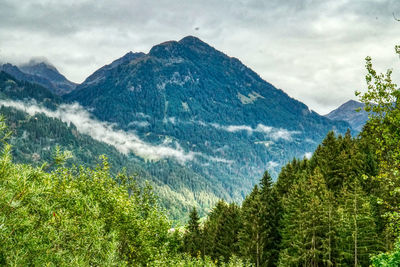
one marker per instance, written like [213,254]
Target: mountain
[230,123]
[196,123]
[102,72]
[348,112]
[37,119]
[40,73]
[15,89]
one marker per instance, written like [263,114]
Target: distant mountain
[348,112]
[193,97]
[14,89]
[40,73]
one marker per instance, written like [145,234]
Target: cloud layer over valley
[124,142]
[129,142]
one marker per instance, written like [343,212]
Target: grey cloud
[312,49]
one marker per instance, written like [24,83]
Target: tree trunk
[355,230]
[258,250]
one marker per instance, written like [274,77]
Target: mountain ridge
[348,112]
[41,73]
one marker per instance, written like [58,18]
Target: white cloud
[237,128]
[221,160]
[272,165]
[141,124]
[274,133]
[125,142]
[308,155]
[283,134]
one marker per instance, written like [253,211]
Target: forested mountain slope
[29,111]
[194,97]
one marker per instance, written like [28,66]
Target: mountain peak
[131,55]
[42,72]
[40,63]
[347,112]
[352,103]
[185,46]
[165,49]
[191,40]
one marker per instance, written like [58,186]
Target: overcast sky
[313,50]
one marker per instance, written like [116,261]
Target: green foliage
[300,220]
[221,232]
[192,237]
[356,232]
[389,259]
[382,101]
[77,216]
[259,236]
[251,232]
[307,223]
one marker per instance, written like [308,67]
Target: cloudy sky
[313,50]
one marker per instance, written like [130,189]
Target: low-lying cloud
[272,165]
[125,142]
[308,155]
[274,133]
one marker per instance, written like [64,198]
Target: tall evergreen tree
[357,234]
[306,224]
[227,233]
[250,236]
[269,215]
[210,229]
[192,238]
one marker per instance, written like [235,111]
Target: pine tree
[227,233]
[221,232]
[210,229]
[357,235]
[307,224]
[270,212]
[192,238]
[251,233]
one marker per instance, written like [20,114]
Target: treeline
[339,208]
[321,211]
[54,215]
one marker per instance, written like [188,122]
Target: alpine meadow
[188,153]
